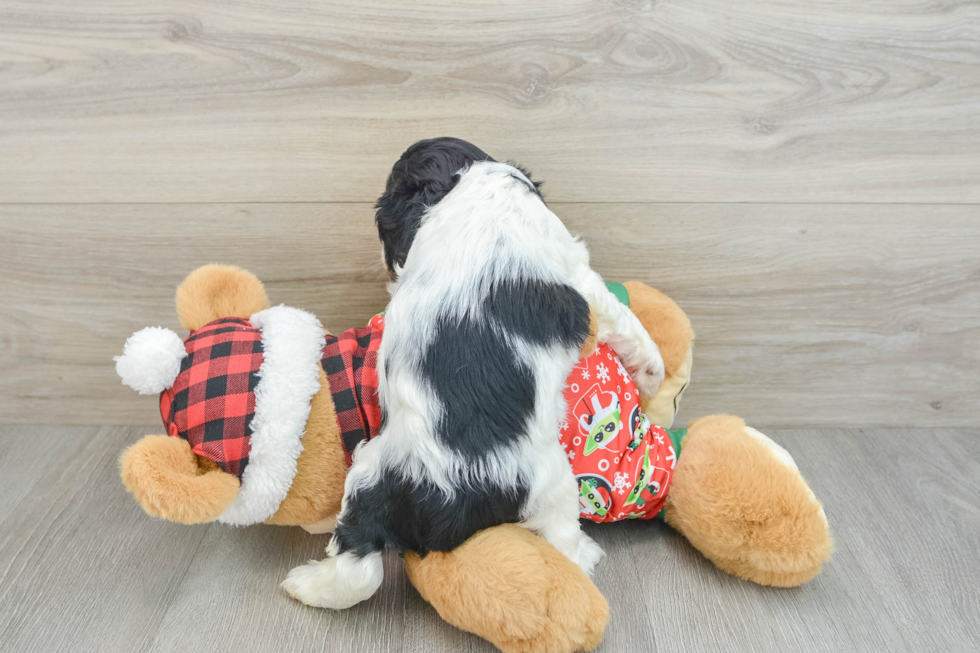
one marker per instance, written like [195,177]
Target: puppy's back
[479,300]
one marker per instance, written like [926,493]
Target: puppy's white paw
[649,374]
[338,582]
[306,584]
[588,555]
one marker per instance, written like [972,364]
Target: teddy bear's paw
[512,588]
[337,582]
[741,500]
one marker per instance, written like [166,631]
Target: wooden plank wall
[802,177]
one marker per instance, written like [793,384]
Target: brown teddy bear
[264,410]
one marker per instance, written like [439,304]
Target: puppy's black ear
[424,174]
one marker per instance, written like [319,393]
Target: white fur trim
[292,342]
[150,361]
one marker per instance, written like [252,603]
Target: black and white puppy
[489,308]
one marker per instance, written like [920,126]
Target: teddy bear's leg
[512,588]
[740,500]
[670,328]
[169,481]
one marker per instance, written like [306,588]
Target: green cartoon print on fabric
[589,497]
[602,425]
[640,425]
[643,482]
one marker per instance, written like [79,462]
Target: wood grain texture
[805,315]
[83,569]
[903,507]
[626,100]
[71,296]
[245,572]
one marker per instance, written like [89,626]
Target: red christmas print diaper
[622,463]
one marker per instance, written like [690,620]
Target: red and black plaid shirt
[212,402]
[350,362]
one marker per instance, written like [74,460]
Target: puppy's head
[424,174]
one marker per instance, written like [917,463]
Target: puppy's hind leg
[352,570]
[336,582]
[339,581]
[553,513]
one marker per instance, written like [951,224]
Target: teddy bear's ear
[212,292]
[163,475]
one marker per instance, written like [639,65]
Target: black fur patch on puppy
[461,363]
[541,312]
[468,357]
[416,516]
[423,175]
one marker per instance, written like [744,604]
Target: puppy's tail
[215,291]
[169,481]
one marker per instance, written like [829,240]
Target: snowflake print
[621,483]
[586,375]
[563,425]
[660,438]
[622,371]
[672,457]
[602,373]
[571,455]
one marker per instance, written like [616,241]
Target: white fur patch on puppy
[150,361]
[589,554]
[337,582]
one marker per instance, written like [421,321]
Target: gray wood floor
[83,569]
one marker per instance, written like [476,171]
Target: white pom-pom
[150,361]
